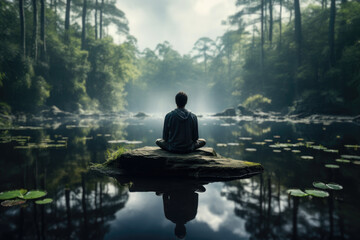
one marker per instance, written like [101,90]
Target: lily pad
[342,160]
[355,157]
[296,151]
[296,193]
[320,185]
[331,150]
[332,166]
[307,157]
[317,193]
[334,186]
[33,194]
[12,194]
[44,201]
[250,149]
[10,203]
[276,151]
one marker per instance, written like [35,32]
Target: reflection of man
[180,207]
[180,133]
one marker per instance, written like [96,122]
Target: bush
[257,102]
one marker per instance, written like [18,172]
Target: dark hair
[181,99]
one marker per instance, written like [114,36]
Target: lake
[55,156]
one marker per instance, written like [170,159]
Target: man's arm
[195,130]
[166,128]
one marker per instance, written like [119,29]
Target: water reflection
[179,196]
[88,206]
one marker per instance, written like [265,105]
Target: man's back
[180,130]
[180,133]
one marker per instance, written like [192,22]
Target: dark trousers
[165,145]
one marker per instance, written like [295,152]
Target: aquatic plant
[20,196]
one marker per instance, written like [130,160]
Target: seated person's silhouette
[180,207]
[180,132]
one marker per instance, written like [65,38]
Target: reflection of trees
[269,213]
[83,204]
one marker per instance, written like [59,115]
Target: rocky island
[204,163]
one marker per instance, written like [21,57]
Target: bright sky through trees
[180,22]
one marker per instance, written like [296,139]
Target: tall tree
[22,27]
[83,32]
[35,29]
[111,14]
[332,33]
[67,15]
[205,48]
[271,3]
[262,36]
[298,32]
[42,29]
[101,18]
[96,20]
[280,24]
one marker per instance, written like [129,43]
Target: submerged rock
[204,163]
[229,112]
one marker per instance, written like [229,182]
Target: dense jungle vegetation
[276,55]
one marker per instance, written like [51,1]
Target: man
[180,133]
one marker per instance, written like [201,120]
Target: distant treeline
[275,56]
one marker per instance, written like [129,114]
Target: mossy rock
[204,163]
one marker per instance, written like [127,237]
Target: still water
[55,156]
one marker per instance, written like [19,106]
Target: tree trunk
[42,29]
[262,44]
[67,15]
[280,25]
[298,32]
[83,32]
[270,21]
[332,33]
[101,19]
[96,21]
[22,27]
[35,29]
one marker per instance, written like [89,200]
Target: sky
[180,22]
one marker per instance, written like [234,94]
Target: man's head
[181,99]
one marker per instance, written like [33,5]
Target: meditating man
[180,133]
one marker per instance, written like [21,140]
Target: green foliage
[112,154]
[256,102]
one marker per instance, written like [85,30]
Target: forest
[289,56]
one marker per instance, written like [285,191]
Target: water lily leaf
[342,160]
[332,166]
[296,151]
[250,149]
[307,157]
[331,150]
[10,203]
[277,151]
[334,186]
[351,157]
[33,194]
[12,194]
[320,185]
[296,193]
[317,193]
[44,201]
